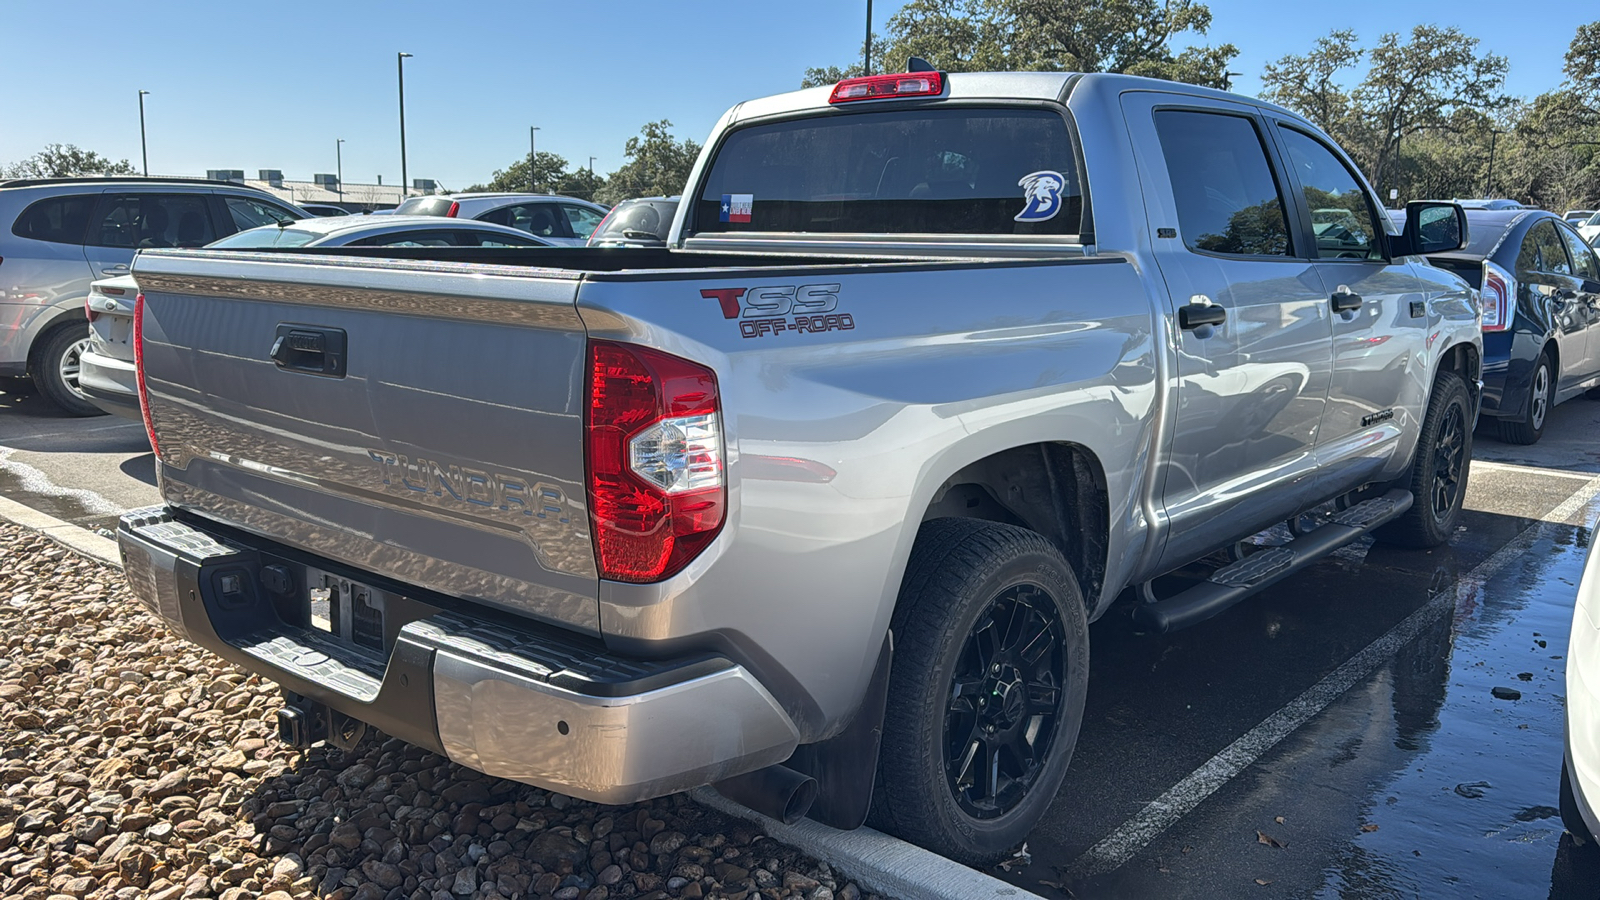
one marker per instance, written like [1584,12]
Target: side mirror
[1431,228]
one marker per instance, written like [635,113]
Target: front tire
[986,692]
[1438,476]
[1541,399]
[57,365]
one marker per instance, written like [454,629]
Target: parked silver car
[59,234]
[388,231]
[560,220]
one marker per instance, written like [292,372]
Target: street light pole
[866,53]
[1488,187]
[338,155]
[144,151]
[400,63]
[1227,79]
[533,188]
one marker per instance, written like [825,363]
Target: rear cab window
[953,170]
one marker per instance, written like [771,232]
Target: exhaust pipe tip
[777,792]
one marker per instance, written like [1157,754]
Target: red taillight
[138,372]
[657,489]
[878,87]
[1498,297]
[454,208]
[89,310]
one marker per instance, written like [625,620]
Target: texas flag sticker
[736,207]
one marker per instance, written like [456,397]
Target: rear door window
[1583,261]
[60,220]
[956,170]
[146,221]
[538,219]
[1228,201]
[1543,252]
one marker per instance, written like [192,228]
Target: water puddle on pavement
[27,486]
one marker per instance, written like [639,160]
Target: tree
[658,165]
[63,161]
[581,183]
[1131,36]
[549,170]
[1309,84]
[1409,87]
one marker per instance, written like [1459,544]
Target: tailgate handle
[310,349]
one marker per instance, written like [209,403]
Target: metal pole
[144,150]
[400,63]
[1488,186]
[533,187]
[866,53]
[338,155]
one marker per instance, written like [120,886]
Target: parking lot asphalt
[1334,736]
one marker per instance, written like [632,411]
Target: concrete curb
[880,863]
[73,537]
[877,861]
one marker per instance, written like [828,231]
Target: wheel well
[1057,489]
[1463,360]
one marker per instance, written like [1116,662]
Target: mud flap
[846,765]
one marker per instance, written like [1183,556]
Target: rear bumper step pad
[1236,581]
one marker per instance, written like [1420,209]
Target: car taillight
[454,208]
[878,87]
[138,372]
[89,310]
[1499,297]
[657,487]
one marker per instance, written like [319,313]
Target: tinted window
[437,238]
[582,219]
[145,221]
[424,206]
[248,212]
[1583,261]
[537,219]
[58,219]
[926,171]
[1543,251]
[1342,216]
[1227,199]
[493,239]
[270,236]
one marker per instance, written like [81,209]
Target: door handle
[118,269]
[1201,312]
[310,349]
[1345,300]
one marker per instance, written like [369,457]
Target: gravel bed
[134,764]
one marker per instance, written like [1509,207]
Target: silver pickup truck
[817,503]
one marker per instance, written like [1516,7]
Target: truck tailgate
[415,420]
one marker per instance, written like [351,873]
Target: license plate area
[346,610]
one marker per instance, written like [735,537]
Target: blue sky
[272,85]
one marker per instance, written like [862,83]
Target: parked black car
[640,222]
[1540,284]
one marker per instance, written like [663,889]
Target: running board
[1232,583]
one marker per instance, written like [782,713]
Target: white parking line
[1531,470]
[1133,835]
[35,481]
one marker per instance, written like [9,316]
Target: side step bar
[1230,584]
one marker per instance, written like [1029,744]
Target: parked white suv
[560,220]
[59,234]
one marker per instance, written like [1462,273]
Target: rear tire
[1438,477]
[986,691]
[56,365]
[1570,817]
[1541,399]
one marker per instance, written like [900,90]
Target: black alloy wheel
[1449,462]
[1005,699]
